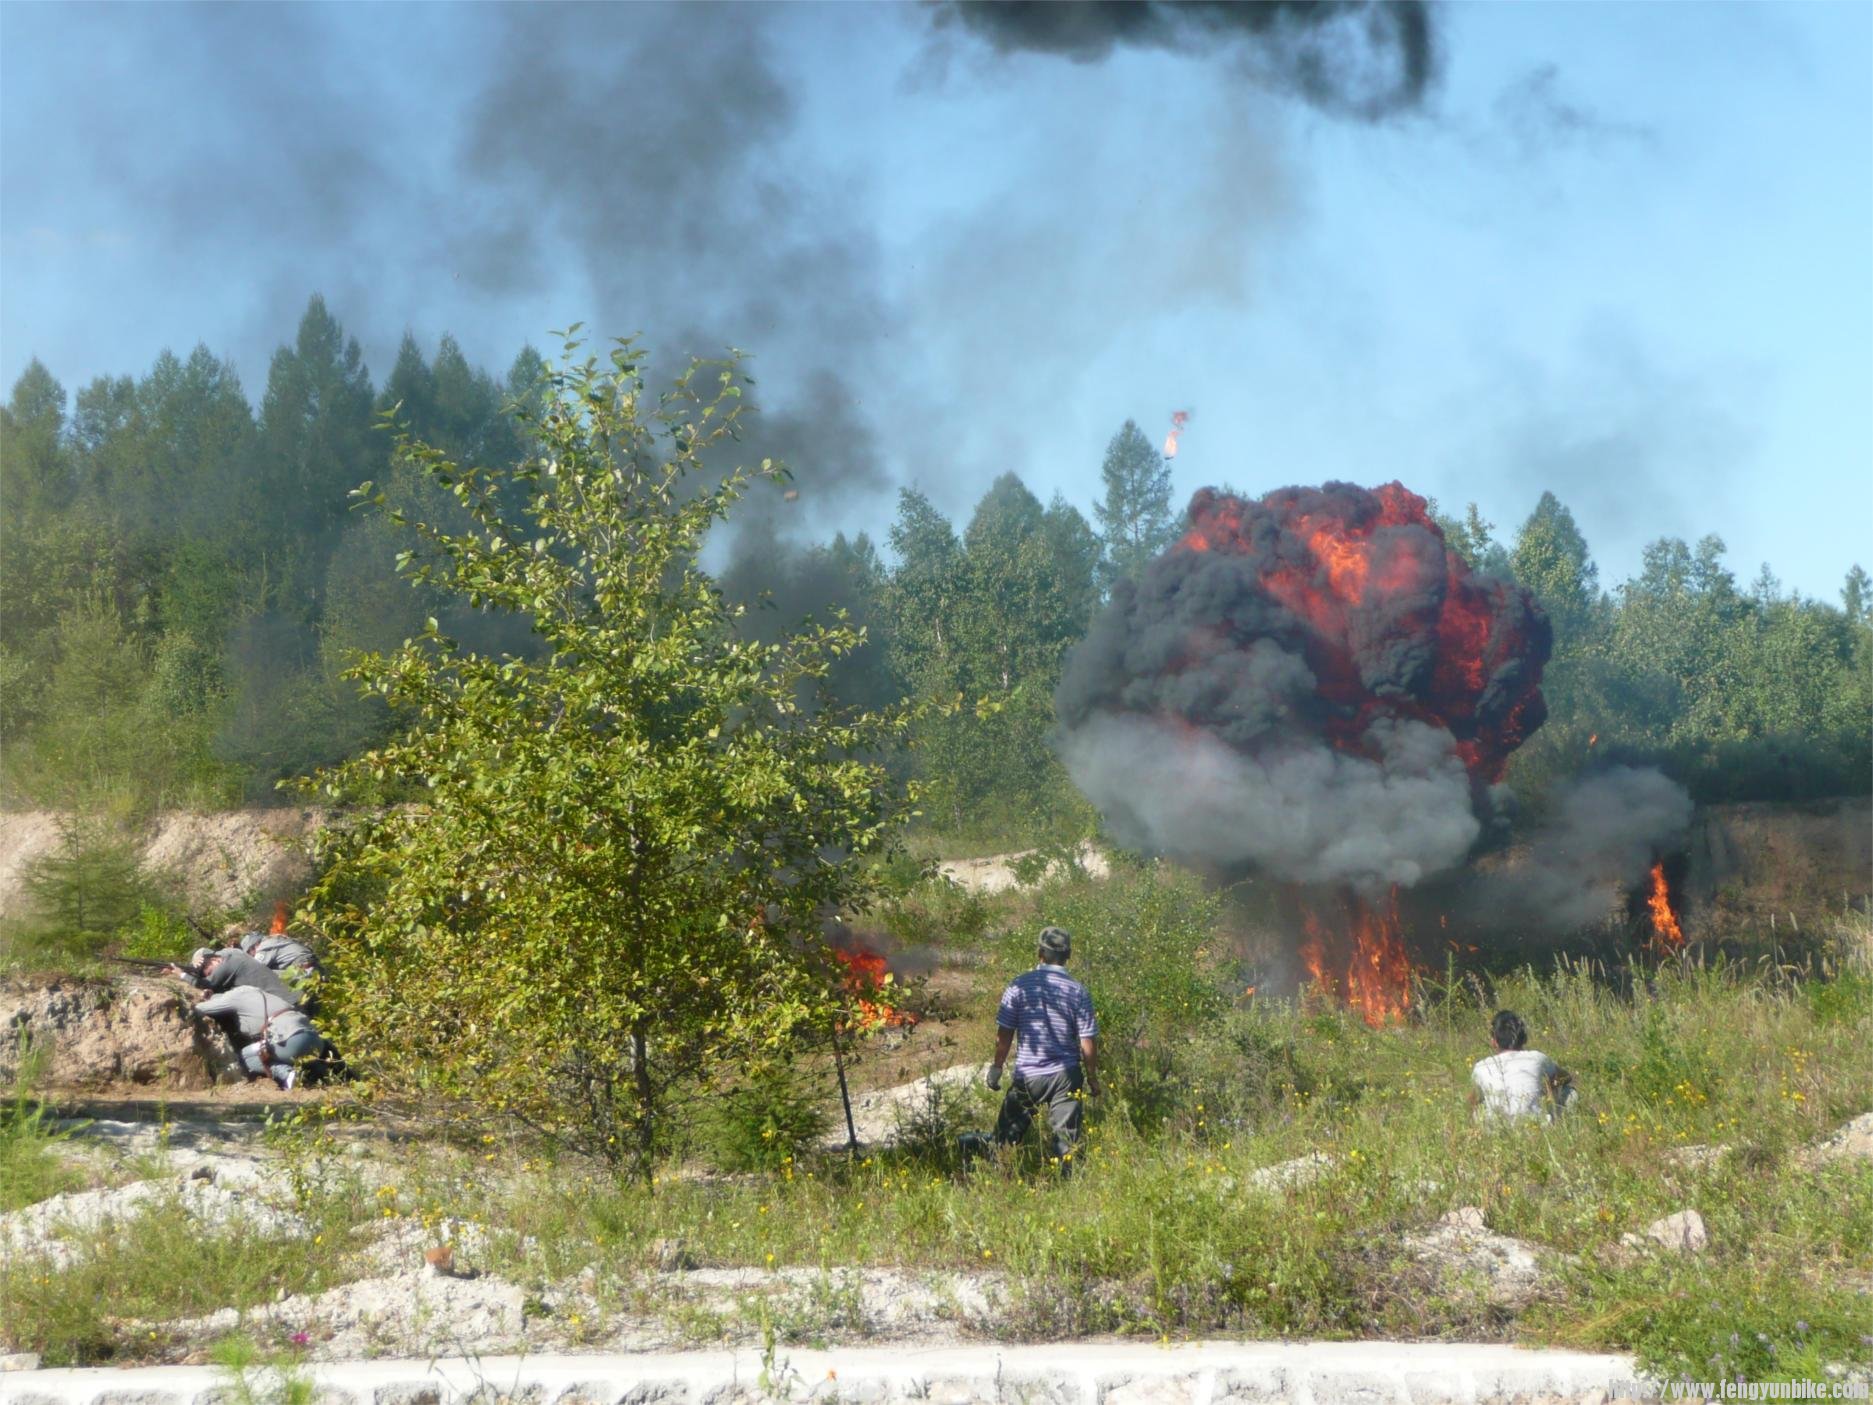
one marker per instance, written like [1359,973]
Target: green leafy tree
[35,472]
[612,880]
[1551,559]
[986,622]
[1474,539]
[316,428]
[1856,596]
[1135,517]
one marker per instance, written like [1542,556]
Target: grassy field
[1162,1231]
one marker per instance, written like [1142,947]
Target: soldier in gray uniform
[274,1034]
[279,953]
[217,971]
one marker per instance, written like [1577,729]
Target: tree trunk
[646,1100]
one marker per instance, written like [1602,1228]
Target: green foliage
[92,883]
[767,1121]
[159,933]
[157,1266]
[1147,945]
[30,1168]
[987,622]
[627,835]
[1134,512]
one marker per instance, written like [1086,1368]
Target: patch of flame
[866,973]
[278,929]
[1666,933]
[1364,963]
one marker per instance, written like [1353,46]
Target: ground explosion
[1314,686]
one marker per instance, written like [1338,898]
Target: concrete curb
[1199,1373]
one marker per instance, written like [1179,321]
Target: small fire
[1365,962]
[866,973]
[1179,418]
[1592,739]
[1667,935]
[278,929]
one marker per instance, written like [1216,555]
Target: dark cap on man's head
[1056,943]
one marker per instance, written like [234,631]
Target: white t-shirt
[1514,1083]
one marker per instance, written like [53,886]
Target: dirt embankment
[228,859]
[1810,859]
[94,1034]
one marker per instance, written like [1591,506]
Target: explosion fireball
[1314,686]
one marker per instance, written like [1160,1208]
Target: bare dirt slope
[222,860]
[1807,858]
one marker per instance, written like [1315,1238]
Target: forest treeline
[182,584]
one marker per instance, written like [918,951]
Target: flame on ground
[1667,935]
[867,973]
[1360,958]
[278,929]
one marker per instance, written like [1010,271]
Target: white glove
[993,1076]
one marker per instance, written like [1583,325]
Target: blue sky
[1623,252]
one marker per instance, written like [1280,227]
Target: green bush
[771,1119]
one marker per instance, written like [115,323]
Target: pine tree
[1551,559]
[1135,517]
[1856,595]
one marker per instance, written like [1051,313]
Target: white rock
[1461,1245]
[1681,1233]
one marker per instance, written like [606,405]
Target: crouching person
[218,971]
[1517,1083]
[292,960]
[274,1034]
[1050,1016]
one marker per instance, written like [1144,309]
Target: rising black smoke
[1365,59]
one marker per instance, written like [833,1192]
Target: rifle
[148,962]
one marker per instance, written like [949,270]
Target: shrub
[772,1118]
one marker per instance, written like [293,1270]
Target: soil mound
[94,1035]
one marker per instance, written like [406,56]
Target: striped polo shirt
[1050,1013]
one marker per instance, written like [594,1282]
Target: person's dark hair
[1508,1030]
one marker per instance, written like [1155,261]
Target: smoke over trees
[181,584]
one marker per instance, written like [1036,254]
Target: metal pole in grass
[845,1093]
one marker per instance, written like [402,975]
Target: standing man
[1052,1016]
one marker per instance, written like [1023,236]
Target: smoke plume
[1309,683]
[1353,58]
[1605,833]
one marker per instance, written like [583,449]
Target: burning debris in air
[1310,685]
[1179,418]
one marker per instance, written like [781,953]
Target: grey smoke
[1298,810]
[1540,116]
[1365,59]
[1606,832]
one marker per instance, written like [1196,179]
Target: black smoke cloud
[657,145]
[1232,706]
[1365,59]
